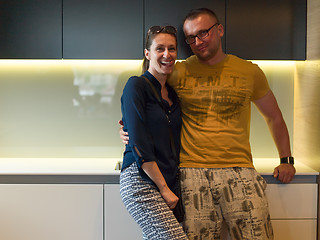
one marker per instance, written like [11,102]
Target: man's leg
[244,204]
[203,219]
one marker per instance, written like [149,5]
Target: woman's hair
[152,33]
[196,12]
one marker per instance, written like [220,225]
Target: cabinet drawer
[292,201]
[118,222]
[51,211]
[294,229]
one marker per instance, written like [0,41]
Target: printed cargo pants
[234,195]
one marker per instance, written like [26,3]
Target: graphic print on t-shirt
[222,95]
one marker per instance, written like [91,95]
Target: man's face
[208,47]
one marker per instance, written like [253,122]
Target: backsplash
[71,108]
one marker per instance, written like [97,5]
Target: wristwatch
[289,160]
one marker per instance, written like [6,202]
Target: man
[218,179]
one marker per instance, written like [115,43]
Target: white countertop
[105,166]
[265,166]
[59,166]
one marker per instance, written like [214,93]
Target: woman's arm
[153,171]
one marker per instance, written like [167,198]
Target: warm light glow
[20,62]
[70,108]
[116,63]
[274,63]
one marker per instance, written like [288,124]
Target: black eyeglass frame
[192,39]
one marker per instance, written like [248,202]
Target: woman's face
[162,54]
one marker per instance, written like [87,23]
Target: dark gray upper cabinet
[112,29]
[168,12]
[264,30]
[30,29]
[100,29]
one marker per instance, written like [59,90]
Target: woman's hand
[153,171]
[169,197]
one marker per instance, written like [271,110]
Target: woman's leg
[146,205]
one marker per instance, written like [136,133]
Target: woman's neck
[162,78]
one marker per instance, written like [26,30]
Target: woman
[148,174]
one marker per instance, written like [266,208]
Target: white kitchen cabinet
[293,210]
[96,212]
[292,201]
[118,222]
[295,229]
[51,211]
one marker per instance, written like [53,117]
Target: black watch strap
[289,160]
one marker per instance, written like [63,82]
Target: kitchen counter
[102,170]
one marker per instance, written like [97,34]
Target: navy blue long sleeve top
[148,127]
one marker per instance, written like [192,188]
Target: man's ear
[221,30]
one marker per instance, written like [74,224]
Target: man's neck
[219,57]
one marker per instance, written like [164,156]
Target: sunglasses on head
[163,29]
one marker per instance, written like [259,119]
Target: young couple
[212,92]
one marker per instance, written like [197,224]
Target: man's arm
[123,135]
[269,108]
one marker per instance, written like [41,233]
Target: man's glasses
[163,29]
[201,35]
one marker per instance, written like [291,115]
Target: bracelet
[289,160]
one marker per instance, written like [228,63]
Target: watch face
[289,160]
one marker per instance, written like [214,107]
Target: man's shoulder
[242,64]
[180,69]
[238,60]
[183,63]
[187,65]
